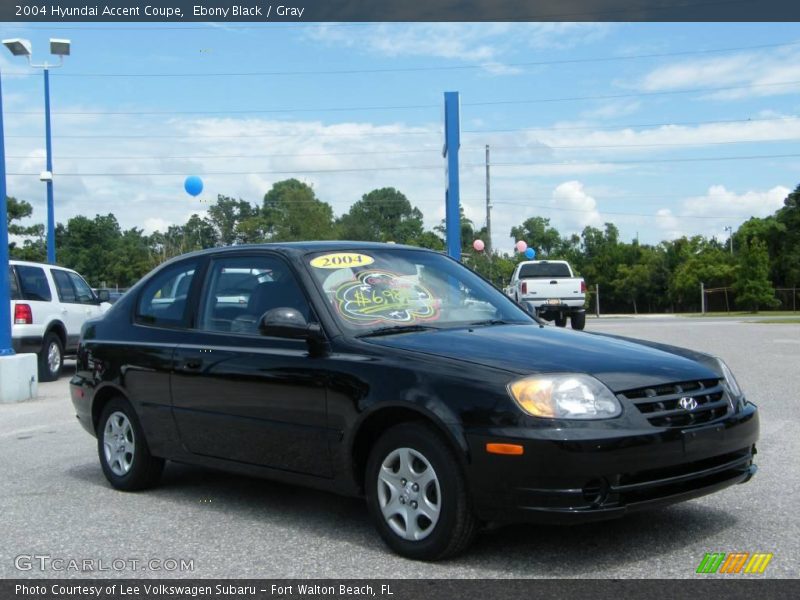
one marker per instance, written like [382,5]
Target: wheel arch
[102,396]
[377,420]
[60,330]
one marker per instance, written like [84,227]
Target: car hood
[530,349]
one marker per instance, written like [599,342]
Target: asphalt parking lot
[55,501]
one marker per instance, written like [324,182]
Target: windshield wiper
[494,322]
[396,329]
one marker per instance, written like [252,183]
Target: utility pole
[729,229]
[488,207]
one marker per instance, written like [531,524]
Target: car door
[86,296]
[242,396]
[73,311]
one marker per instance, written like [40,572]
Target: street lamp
[729,229]
[59,48]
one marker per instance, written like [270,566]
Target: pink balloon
[478,245]
[521,246]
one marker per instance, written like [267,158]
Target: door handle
[193,363]
[554,282]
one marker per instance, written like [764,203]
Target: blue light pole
[60,48]
[452,143]
[6,349]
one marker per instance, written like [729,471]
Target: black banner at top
[265,11]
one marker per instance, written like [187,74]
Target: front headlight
[564,396]
[730,380]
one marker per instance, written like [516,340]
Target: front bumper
[588,474]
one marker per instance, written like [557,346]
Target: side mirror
[528,307]
[287,322]
[103,295]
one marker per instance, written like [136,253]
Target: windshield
[377,289]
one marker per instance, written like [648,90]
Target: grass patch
[795,320]
[738,313]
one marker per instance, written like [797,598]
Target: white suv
[49,305]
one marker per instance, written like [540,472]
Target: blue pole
[6,349]
[51,217]
[452,143]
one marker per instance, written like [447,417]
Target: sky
[663,129]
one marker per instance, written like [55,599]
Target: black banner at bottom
[399,589]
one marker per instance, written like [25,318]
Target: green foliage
[752,287]
[538,234]
[292,212]
[665,277]
[383,215]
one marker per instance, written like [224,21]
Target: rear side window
[12,281]
[533,271]
[163,300]
[66,293]
[32,284]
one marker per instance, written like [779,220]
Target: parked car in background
[550,288]
[49,305]
[398,374]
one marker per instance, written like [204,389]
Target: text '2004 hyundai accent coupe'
[398,374]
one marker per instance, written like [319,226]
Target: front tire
[417,494]
[123,451]
[51,357]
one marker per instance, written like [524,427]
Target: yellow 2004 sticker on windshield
[341,260]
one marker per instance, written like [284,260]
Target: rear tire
[51,357]
[122,449]
[417,494]
[578,320]
[561,320]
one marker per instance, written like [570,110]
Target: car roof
[33,263]
[306,247]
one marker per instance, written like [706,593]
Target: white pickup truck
[551,289]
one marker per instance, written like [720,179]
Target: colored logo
[734,563]
[687,403]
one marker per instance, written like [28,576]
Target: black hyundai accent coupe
[398,374]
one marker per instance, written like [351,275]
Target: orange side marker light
[508,449]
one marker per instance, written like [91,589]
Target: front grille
[661,404]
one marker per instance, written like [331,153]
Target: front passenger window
[239,290]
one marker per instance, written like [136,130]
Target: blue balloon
[530,253]
[193,185]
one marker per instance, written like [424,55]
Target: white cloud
[723,207]
[564,141]
[153,224]
[489,44]
[761,70]
[576,208]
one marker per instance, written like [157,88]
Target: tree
[33,244]
[382,215]
[291,212]
[753,288]
[233,221]
[87,245]
[539,235]
[633,282]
